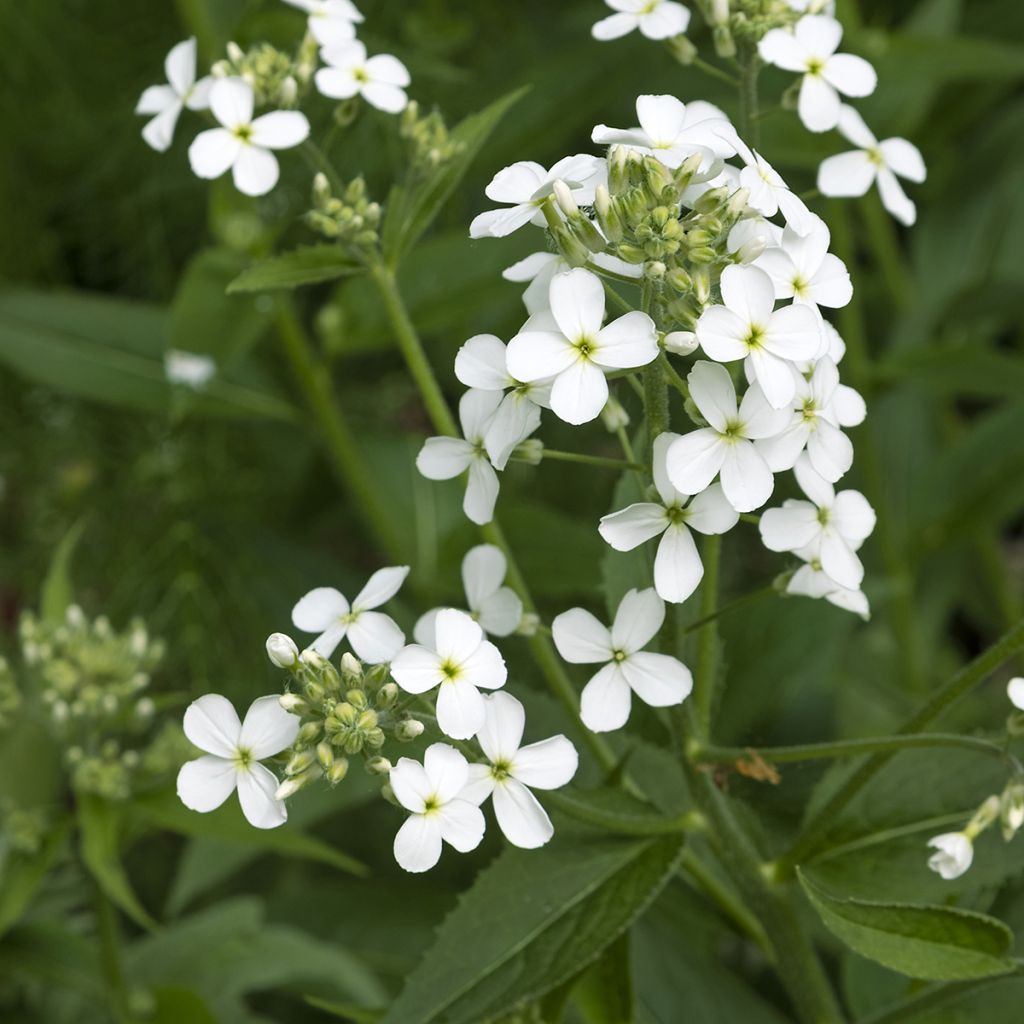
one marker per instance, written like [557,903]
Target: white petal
[794,209]
[256,788]
[695,459]
[442,458]
[483,572]
[894,199]
[637,621]
[629,528]
[423,632]
[180,66]
[781,48]
[677,566]
[818,104]
[790,527]
[411,784]
[418,843]
[515,420]
[205,783]
[458,636]
[722,335]
[577,303]
[528,268]
[657,679]
[447,770]
[159,132]
[380,587]
[667,19]
[746,479]
[712,391]
[853,128]
[549,764]
[332,32]
[212,152]
[819,35]
[534,355]
[851,75]
[580,638]
[460,709]
[481,492]
[255,171]
[417,669]
[846,174]
[501,613]
[375,637]
[830,450]
[853,517]
[280,129]
[709,512]
[231,101]
[659,457]
[389,98]
[839,562]
[605,701]
[499,223]
[516,183]
[848,407]
[319,609]
[749,293]
[661,117]
[485,667]
[614,26]
[579,393]
[629,341]
[520,817]
[462,825]
[1015,691]
[337,83]
[777,377]
[388,69]
[199,97]
[831,285]
[793,333]
[157,99]
[759,419]
[268,728]
[480,785]
[212,725]
[326,643]
[480,363]
[503,726]
[904,159]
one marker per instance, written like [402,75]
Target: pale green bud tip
[681,343]
[528,624]
[409,730]
[387,695]
[288,788]
[235,52]
[293,702]
[282,650]
[614,416]
[564,198]
[531,452]
[337,771]
[1011,812]
[351,669]
[983,817]
[378,766]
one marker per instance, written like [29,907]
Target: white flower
[167,101]
[380,80]
[767,192]
[540,267]
[853,173]
[802,268]
[497,608]
[811,580]
[233,751]
[432,792]
[525,187]
[811,50]
[459,661]
[188,368]
[242,144]
[442,458]
[1015,691]
[332,22]
[657,679]
[677,565]
[656,19]
[481,364]
[726,445]
[747,326]
[374,636]
[671,131]
[953,856]
[514,769]
[570,346]
[832,526]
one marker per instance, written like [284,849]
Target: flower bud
[528,624]
[608,215]
[408,730]
[530,451]
[983,817]
[345,713]
[953,856]
[288,788]
[679,280]
[682,49]
[337,771]
[357,698]
[378,766]
[282,650]
[681,343]
[374,738]
[387,695]
[614,415]
[298,763]
[309,733]
[1011,811]
[367,720]
[325,755]
[564,198]
[293,702]
[289,91]
[314,691]
[235,53]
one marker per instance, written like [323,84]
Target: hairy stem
[706,673]
[750,126]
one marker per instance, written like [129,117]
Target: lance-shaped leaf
[309,264]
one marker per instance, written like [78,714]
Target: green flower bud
[408,730]
[299,762]
[351,670]
[309,733]
[378,766]
[387,695]
[325,755]
[367,720]
[337,771]
[346,714]
[357,698]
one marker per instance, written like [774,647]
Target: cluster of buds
[274,76]
[22,829]
[744,22]
[430,143]
[350,218]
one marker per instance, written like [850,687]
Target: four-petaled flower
[373,636]
[657,679]
[164,103]
[767,192]
[656,19]
[380,80]
[433,793]
[802,268]
[332,22]
[233,751]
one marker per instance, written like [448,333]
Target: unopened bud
[408,730]
[325,755]
[983,817]
[1011,813]
[289,91]
[564,198]
[367,720]
[654,270]
[282,650]
[657,176]
[357,698]
[351,669]
[321,189]
[337,771]
[309,733]
[681,343]
[235,53]
[614,415]
[528,624]
[387,695]
[530,451]
[345,713]
[679,280]
[608,216]
[314,691]
[682,49]
[378,766]
[298,763]
[294,703]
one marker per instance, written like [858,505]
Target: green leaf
[346,1011]
[58,589]
[604,995]
[23,874]
[614,810]
[532,920]
[174,1005]
[930,942]
[410,211]
[309,264]
[100,824]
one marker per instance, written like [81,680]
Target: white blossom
[953,856]
[380,80]
[802,268]
[1015,691]
[243,144]
[810,49]
[656,19]
[514,770]
[332,22]
[657,679]
[432,793]
[853,173]
[677,565]
[164,103]
[570,346]
[811,580]
[459,661]
[374,636]
[232,754]
[767,192]
[189,369]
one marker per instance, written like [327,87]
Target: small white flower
[432,792]
[515,769]
[726,445]
[570,346]
[1015,691]
[459,661]
[656,19]
[540,267]
[802,268]
[524,187]
[374,636]
[332,22]
[853,173]
[811,50]
[657,679]
[189,369]
[243,144]
[767,192]
[811,580]
[380,80]
[747,326]
[953,856]
[166,102]
[442,458]
[677,565]
[496,607]
[233,751]
[832,526]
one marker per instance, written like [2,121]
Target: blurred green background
[208,516]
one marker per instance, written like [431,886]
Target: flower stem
[706,673]
[591,460]
[750,125]
[714,72]
[754,595]
[109,936]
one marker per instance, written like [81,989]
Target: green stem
[754,595]
[591,460]
[888,251]
[314,381]
[109,934]
[706,673]
[816,833]
[655,402]
[714,72]
[750,126]
[674,377]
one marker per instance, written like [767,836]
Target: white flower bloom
[767,192]
[657,679]
[374,636]
[802,268]
[243,144]
[481,364]
[677,565]
[442,458]
[380,80]
[166,102]
[459,661]
[188,368]
[811,580]
[524,187]
[1015,691]
[811,50]
[853,173]
[432,792]
[832,526]
[496,607]
[726,445]
[515,769]
[332,22]
[953,856]
[570,346]
[672,131]
[656,19]
[233,751]
[747,326]
[540,267]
